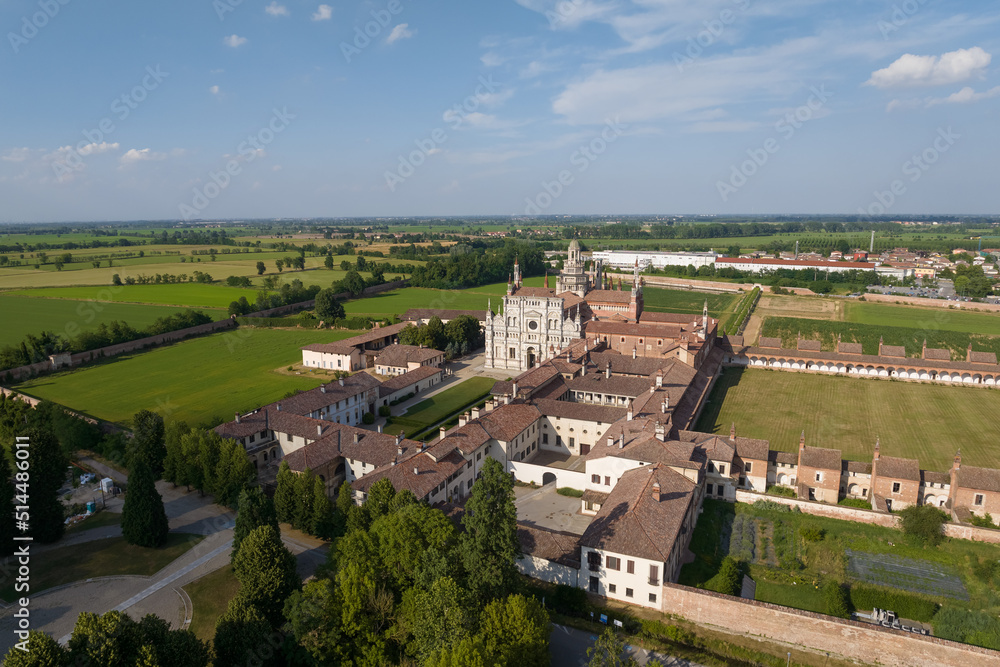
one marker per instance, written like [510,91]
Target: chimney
[656,491]
[611,441]
[322,389]
[416,471]
[319,429]
[659,378]
[463,420]
[278,407]
[514,390]
[660,431]
[802,442]
[621,440]
[877,448]
[628,416]
[506,399]
[475,413]
[399,439]
[341,381]
[399,450]
[444,432]
[663,406]
[379,428]
[607,373]
[923,350]
[357,437]
[237,418]
[633,351]
[732,431]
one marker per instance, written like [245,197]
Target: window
[979,499]
[628,592]
[613,563]
[652,598]
[895,487]
[607,481]
[593,561]
[595,479]
[612,588]
[747,467]
[819,477]
[722,469]
[711,467]
[709,489]
[630,566]
[572,442]
[864,493]
[593,584]
[654,576]
[659,343]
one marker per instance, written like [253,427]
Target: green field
[440,407]
[684,301]
[25,315]
[190,295]
[399,301]
[200,381]
[925,422]
[210,595]
[929,319]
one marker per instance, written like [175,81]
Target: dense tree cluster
[486,262]
[301,500]
[200,459]
[458,337]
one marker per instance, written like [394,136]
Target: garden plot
[916,576]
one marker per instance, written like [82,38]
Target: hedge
[866,597]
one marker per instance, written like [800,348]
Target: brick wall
[823,509]
[966,532]
[850,640]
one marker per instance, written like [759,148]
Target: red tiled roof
[821,458]
[507,421]
[893,467]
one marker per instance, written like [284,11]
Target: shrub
[659,630]
[784,491]
[730,577]
[856,502]
[569,600]
[923,522]
[771,506]
[568,492]
[812,533]
[835,600]
[368,418]
[985,521]
[972,627]
[385,411]
[906,605]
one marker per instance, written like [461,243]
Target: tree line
[456,338]
[487,261]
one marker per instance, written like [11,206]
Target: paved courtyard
[547,509]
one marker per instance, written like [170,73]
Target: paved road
[568,647]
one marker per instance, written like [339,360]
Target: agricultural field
[930,319]
[438,408]
[912,420]
[202,381]
[188,295]
[951,587]
[788,329]
[23,315]
[684,301]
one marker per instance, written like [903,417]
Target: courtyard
[545,508]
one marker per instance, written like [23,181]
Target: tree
[328,261]
[144,521]
[468,652]
[254,510]
[8,527]
[280,264]
[284,496]
[303,514]
[345,265]
[608,652]
[173,463]
[261,268]
[115,640]
[328,308]
[730,577]
[47,466]
[836,601]
[489,544]
[241,637]
[379,500]
[313,616]
[233,474]
[322,523]
[148,441]
[266,572]
[924,523]
[439,618]
[115,279]
[43,651]
[515,631]
[353,282]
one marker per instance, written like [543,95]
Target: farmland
[25,315]
[189,295]
[912,420]
[957,575]
[200,381]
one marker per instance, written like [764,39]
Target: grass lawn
[189,295]
[931,319]
[439,407]
[683,301]
[25,315]
[100,558]
[210,595]
[913,420]
[99,520]
[800,586]
[200,381]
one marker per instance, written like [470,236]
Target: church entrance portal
[531,357]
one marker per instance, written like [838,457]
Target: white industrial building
[628,258]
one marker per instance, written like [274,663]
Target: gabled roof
[809,345]
[420,474]
[937,353]
[893,351]
[507,421]
[605,414]
[608,296]
[398,356]
[634,523]
[849,348]
[618,385]
[893,467]
[821,458]
[408,379]
[419,314]
[558,547]
[983,357]
[770,342]
[978,479]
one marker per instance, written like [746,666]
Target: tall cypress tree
[148,441]
[284,496]
[489,545]
[144,521]
[7,525]
[254,510]
[322,517]
[303,515]
[48,472]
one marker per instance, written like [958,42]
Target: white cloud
[214,90]
[274,9]
[966,95]
[952,67]
[16,155]
[495,99]
[492,59]
[132,156]
[97,149]
[234,41]
[323,13]
[401,31]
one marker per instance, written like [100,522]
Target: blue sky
[120,110]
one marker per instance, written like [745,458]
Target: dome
[574,245]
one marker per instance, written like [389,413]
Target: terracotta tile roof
[717,449]
[564,366]
[249,424]
[849,348]
[937,353]
[331,348]
[468,438]
[870,359]
[652,330]
[618,385]
[770,342]
[648,449]
[398,356]
[377,449]
[879,504]
[983,357]
[650,317]
[536,377]
[404,380]
[591,496]
[605,414]
[326,395]
[734,341]
[933,477]
[893,351]
[502,387]
[787,458]
[375,334]
[752,448]
[420,314]
[893,467]
[558,547]
[809,345]
[633,523]
[821,458]
[625,365]
[314,455]
[978,479]
[420,474]
[857,467]
[507,421]
[608,296]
